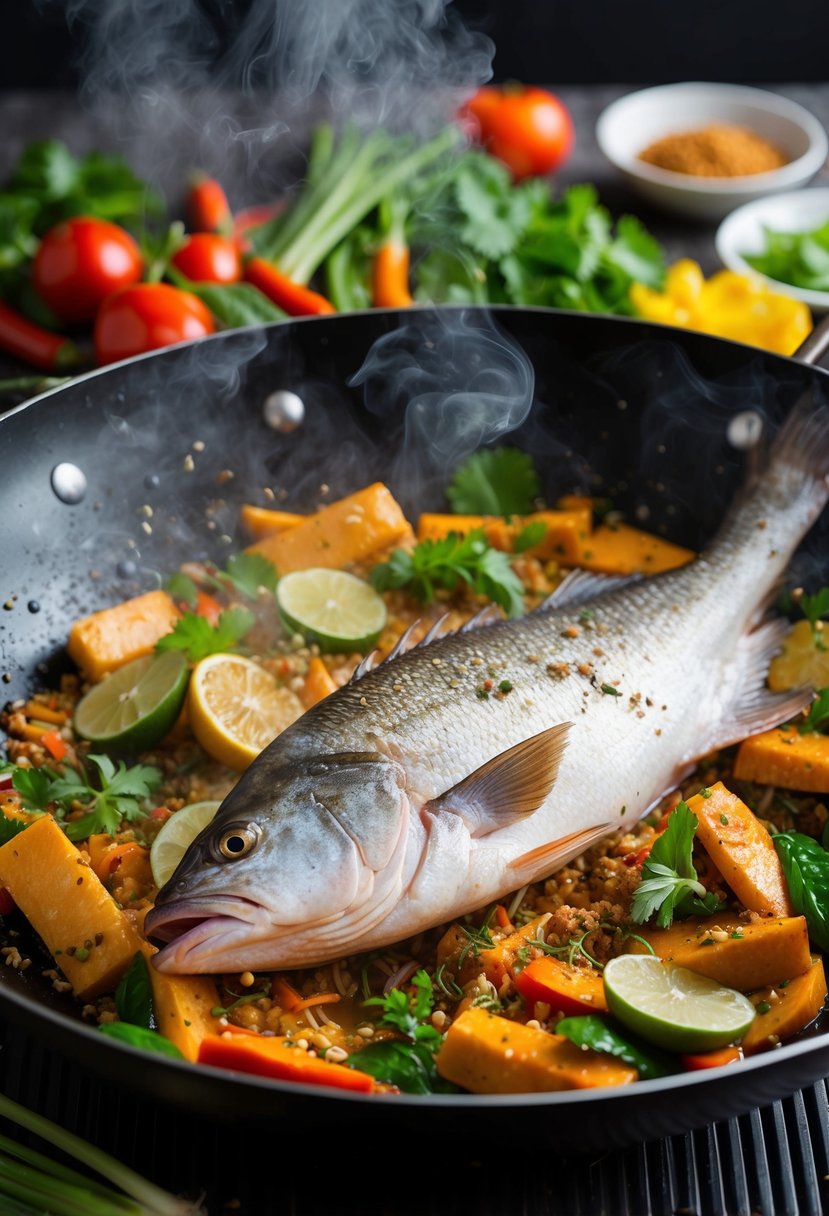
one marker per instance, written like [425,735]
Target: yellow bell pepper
[727,305]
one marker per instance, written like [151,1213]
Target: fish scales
[424,790]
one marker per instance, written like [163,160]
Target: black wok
[637,412]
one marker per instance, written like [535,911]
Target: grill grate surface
[772,1162]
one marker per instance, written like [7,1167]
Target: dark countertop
[771,1161]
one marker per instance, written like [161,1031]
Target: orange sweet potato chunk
[621,549]
[115,636]
[182,1006]
[742,850]
[319,684]
[58,892]
[263,521]
[566,531]
[782,1012]
[785,757]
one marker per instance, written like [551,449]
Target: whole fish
[462,769]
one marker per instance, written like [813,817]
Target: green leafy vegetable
[140,1036]
[799,258]
[530,536]
[134,994]
[815,607]
[817,719]
[600,1035]
[234,305]
[669,883]
[806,866]
[248,572]
[118,795]
[448,562]
[35,786]
[198,638]
[182,589]
[494,481]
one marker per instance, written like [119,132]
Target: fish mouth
[196,931]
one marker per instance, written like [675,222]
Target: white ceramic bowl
[742,232]
[633,122]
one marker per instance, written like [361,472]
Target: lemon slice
[336,610]
[137,705]
[180,830]
[237,708]
[802,661]
[674,1007]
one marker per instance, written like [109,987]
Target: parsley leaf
[446,563]
[119,796]
[669,883]
[494,481]
[816,606]
[198,638]
[817,718]
[247,572]
[34,786]
[407,1013]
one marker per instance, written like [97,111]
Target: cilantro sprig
[108,794]
[670,886]
[447,563]
[494,481]
[198,638]
[246,573]
[817,719]
[815,608]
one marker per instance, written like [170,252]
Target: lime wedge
[180,830]
[136,706]
[674,1007]
[334,609]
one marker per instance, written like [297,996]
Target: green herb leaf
[134,994]
[140,1036]
[34,786]
[594,1032]
[198,638]
[531,534]
[409,1066]
[817,719]
[248,572]
[815,607]
[234,305]
[669,883]
[448,562]
[798,258]
[407,1012]
[494,481]
[806,866]
[9,828]
[182,589]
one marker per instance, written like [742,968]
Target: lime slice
[180,830]
[334,609]
[136,706]
[674,1007]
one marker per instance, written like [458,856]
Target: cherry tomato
[208,258]
[145,317]
[527,128]
[80,262]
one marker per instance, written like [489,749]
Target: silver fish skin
[416,794]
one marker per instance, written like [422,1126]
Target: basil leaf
[134,994]
[234,304]
[594,1032]
[139,1036]
[409,1066]
[806,866]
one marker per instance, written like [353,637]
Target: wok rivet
[745,429]
[68,483]
[284,410]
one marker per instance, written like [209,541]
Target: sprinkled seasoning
[610,691]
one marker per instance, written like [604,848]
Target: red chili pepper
[296,300]
[7,904]
[638,858]
[55,744]
[280,1058]
[27,341]
[207,207]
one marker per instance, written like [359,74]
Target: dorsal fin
[366,664]
[435,631]
[581,586]
[514,783]
[487,615]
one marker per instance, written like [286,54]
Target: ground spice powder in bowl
[718,150]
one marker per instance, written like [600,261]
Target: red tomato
[208,258]
[527,128]
[80,262]
[145,317]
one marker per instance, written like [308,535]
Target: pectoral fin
[547,857]
[514,783]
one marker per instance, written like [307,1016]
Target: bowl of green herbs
[785,238]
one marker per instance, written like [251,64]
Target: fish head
[298,862]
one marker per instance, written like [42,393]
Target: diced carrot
[502,917]
[348,531]
[566,989]
[785,757]
[742,850]
[114,636]
[711,1059]
[498,961]
[285,994]
[262,521]
[279,1057]
[130,860]
[55,744]
[319,683]
[208,607]
[44,713]
[621,549]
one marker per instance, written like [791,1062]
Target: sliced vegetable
[182,1006]
[488,1054]
[731,951]
[600,1035]
[621,549]
[353,529]
[40,347]
[115,636]
[806,866]
[566,989]
[499,960]
[80,923]
[237,708]
[263,521]
[319,683]
[177,833]
[280,1057]
[136,707]
[783,1012]
[337,611]
[544,534]
[785,757]
[673,1007]
[742,850]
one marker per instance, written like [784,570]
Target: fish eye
[238,841]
